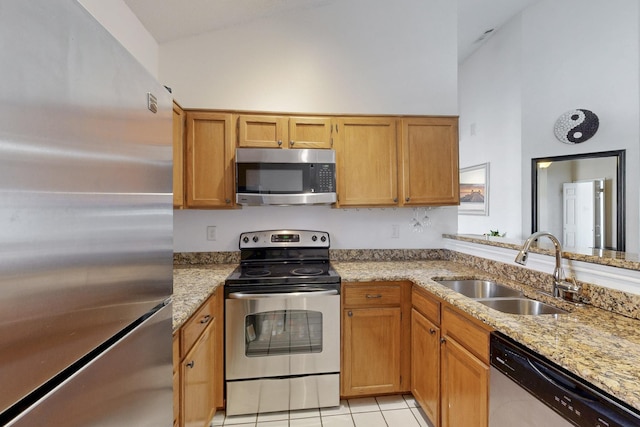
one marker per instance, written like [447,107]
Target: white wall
[352,56]
[348,228]
[120,21]
[490,128]
[574,54]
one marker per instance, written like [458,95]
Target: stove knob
[314,237]
[323,238]
[245,239]
[255,239]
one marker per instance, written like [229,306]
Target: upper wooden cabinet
[264,131]
[367,161]
[429,164]
[210,168]
[178,156]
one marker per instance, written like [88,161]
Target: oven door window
[282,332]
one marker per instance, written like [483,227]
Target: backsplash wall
[363,228]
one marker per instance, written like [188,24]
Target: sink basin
[521,306]
[480,288]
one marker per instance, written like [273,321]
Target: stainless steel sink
[480,288]
[521,306]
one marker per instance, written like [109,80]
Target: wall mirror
[580,199]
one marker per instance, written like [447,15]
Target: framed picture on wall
[474,190]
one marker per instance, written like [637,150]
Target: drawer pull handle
[374,296]
[432,331]
[191,364]
[205,319]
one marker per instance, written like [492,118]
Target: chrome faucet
[565,288]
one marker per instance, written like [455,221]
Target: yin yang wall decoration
[576,126]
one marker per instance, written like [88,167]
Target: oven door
[281,334]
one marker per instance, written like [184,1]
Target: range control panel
[284,239]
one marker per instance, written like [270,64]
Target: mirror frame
[620,190]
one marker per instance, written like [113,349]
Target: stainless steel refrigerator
[85,225]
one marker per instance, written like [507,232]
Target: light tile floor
[385,411]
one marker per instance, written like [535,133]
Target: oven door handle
[262,295]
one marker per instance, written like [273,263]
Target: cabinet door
[309,132]
[465,387]
[210,160]
[262,131]
[430,173]
[371,351]
[197,371]
[367,169]
[178,156]
[425,365]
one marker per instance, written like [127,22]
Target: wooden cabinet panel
[309,132]
[178,156]
[372,295]
[197,370]
[465,331]
[371,351]
[430,174]
[367,161]
[465,387]
[425,365]
[198,365]
[210,160]
[426,305]
[192,328]
[262,131]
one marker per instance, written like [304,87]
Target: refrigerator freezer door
[85,191]
[122,387]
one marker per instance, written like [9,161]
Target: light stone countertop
[597,345]
[192,285]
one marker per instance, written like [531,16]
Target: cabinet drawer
[193,327]
[428,306]
[371,295]
[466,332]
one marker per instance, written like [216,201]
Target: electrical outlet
[395,231]
[211,232]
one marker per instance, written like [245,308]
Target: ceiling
[177,19]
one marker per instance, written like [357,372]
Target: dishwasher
[528,390]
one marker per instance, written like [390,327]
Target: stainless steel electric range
[282,324]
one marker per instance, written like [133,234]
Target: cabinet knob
[395,200]
[350,313]
[407,199]
[191,364]
[227,201]
[432,331]
[205,319]
[443,341]
[292,142]
[279,142]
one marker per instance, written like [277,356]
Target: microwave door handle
[251,295]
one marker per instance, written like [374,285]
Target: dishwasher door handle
[262,295]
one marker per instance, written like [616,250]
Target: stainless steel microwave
[271,176]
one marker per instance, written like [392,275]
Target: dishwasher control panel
[571,397]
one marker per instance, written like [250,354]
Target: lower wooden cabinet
[198,371]
[425,365]
[450,363]
[465,387]
[375,338]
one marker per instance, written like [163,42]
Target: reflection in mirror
[580,199]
